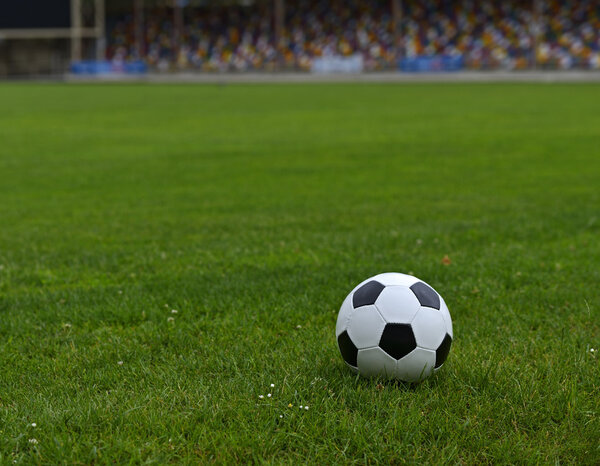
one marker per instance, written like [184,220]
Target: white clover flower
[301,406]
[269,395]
[173,311]
[306,408]
[120,363]
[592,350]
[280,416]
[33,424]
[171,319]
[272,385]
[33,441]
[261,396]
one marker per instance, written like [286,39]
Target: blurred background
[41,37]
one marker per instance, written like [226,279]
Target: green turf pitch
[252,211]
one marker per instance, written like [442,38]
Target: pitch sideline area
[378,77]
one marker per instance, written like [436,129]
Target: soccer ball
[395,326]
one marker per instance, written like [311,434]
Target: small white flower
[298,326]
[33,441]
[592,350]
[173,311]
[272,385]
[120,291]
[33,424]
[120,363]
[301,406]
[281,415]
[269,395]
[171,319]
[306,408]
[261,396]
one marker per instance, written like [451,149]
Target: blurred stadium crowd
[509,34]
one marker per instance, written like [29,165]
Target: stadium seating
[475,35]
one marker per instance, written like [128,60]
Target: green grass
[253,210]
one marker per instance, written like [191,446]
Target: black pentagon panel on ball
[367,294]
[442,352]
[397,340]
[347,348]
[426,295]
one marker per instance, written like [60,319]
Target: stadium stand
[549,34]
[134,36]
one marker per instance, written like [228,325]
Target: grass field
[252,210]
